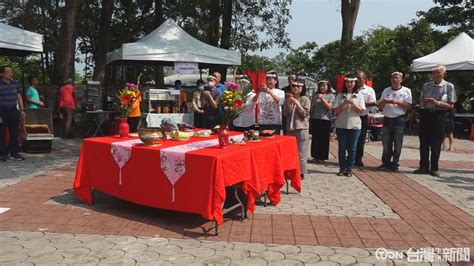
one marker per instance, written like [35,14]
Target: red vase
[223,136]
[124,128]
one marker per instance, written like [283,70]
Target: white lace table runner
[121,152]
[173,159]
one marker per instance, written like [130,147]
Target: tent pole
[122,75]
[22,66]
[44,80]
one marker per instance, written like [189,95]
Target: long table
[257,167]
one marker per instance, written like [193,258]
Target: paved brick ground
[45,204]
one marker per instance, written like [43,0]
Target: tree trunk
[226,31]
[213,30]
[104,39]
[214,27]
[349,11]
[159,19]
[65,57]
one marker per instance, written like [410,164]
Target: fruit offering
[237,141]
[176,135]
[202,134]
[251,135]
[267,133]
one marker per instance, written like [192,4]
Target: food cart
[164,103]
[169,45]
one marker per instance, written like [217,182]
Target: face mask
[210,84]
[201,87]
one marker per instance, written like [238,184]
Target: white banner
[186,68]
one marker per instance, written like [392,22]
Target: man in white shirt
[370,100]
[269,100]
[394,103]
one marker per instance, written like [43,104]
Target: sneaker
[382,167]
[359,164]
[434,173]
[17,157]
[420,171]
[341,173]
[394,169]
[348,173]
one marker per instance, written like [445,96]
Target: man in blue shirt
[10,97]
[219,85]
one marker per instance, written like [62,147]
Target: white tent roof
[458,54]
[15,41]
[170,43]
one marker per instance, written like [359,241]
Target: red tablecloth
[201,190]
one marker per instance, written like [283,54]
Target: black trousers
[361,141]
[431,133]
[320,131]
[133,123]
[11,120]
[241,129]
[198,120]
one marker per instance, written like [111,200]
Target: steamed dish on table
[267,133]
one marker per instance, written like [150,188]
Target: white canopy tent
[170,43]
[18,42]
[458,54]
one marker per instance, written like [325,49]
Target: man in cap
[437,97]
[394,103]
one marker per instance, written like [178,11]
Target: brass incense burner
[151,136]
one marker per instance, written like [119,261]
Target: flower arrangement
[127,97]
[232,101]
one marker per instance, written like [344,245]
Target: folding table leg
[240,203]
[93,195]
[287,185]
[265,198]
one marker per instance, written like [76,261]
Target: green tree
[257,62]
[300,59]
[326,61]
[46,17]
[458,15]
[280,63]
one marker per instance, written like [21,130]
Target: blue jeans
[347,139]
[392,140]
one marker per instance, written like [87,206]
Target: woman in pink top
[67,106]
